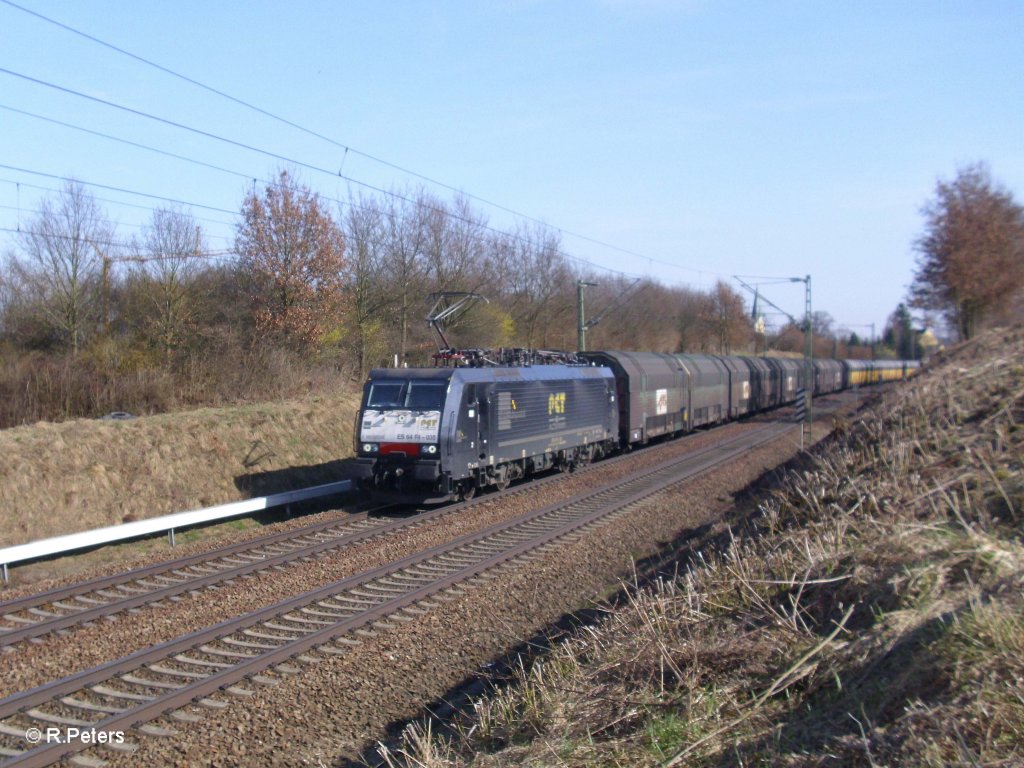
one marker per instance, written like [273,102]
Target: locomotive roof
[477,375]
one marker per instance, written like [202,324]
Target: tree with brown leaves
[294,253]
[971,262]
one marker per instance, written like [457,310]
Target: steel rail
[10,704]
[99,605]
[534,529]
[62,545]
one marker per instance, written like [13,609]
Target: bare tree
[167,260]
[729,318]
[693,310]
[534,280]
[455,243]
[294,253]
[65,264]
[368,295]
[971,255]
[405,246]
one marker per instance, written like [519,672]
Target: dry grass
[870,613]
[77,475]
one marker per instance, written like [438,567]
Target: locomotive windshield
[411,394]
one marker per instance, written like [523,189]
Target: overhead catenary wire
[108,200]
[279,157]
[217,254]
[403,198]
[268,153]
[112,188]
[347,148]
[121,140]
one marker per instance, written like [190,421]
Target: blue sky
[711,137]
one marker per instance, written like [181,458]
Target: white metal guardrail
[59,545]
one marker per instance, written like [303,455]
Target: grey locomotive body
[432,434]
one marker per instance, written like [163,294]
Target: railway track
[173,677]
[62,609]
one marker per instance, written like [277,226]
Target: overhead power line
[121,140]
[118,189]
[268,153]
[334,142]
[216,254]
[236,213]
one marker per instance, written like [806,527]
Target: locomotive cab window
[411,394]
[426,395]
[385,394]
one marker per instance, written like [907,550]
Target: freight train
[438,434]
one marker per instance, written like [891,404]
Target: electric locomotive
[435,434]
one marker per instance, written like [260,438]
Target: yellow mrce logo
[556,403]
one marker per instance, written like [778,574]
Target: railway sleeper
[224,653]
[17,620]
[433,571]
[7,730]
[211,703]
[147,683]
[277,638]
[86,761]
[338,615]
[162,670]
[184,716]
[133,590]
[113,693]
[183,659]
[91,706]
[41,612]
[298,620]
[380,586]
[48,717]
[72,608]
[375,598]
[409,581]
[349,641]
[90,600]
[234,641]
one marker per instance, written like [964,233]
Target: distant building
[928,343]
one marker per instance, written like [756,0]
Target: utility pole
[808,328]
[808,349]
[581,325]
[104,289]
[809,331]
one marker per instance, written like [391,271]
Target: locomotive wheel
[467,490]
[502,481]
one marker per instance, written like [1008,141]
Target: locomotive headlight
[429,449]
[369,447]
